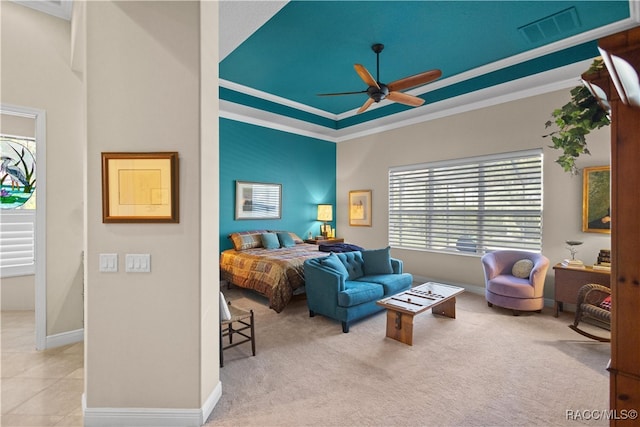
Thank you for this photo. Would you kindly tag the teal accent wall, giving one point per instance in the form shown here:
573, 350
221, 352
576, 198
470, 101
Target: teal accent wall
306, 168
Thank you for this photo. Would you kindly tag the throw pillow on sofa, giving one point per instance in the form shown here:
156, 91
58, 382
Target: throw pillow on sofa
332, 261
377, 261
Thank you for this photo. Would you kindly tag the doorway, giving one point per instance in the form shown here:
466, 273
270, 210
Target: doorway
40, 288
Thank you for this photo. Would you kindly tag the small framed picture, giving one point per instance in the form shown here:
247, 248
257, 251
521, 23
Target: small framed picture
140, 187
258, 200
596, 204
360, 208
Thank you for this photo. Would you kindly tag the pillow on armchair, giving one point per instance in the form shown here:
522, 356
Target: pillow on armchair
522, 268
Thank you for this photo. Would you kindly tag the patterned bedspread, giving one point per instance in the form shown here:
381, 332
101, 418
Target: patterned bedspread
274, 273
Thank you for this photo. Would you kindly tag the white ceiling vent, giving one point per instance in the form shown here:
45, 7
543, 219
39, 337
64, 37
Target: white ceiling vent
552, 27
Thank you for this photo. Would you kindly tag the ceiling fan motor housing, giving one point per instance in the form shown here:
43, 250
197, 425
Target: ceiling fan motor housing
378, 94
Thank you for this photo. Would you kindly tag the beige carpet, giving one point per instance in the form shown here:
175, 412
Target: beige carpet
485, 368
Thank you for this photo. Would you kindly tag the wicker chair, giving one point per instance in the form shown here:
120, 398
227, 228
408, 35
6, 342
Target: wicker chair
591, 306
245, 327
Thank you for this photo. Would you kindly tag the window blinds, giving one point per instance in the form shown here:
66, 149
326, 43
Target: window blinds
472, 205
17, 243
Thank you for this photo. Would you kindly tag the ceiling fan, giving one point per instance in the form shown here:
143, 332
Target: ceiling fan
378, 91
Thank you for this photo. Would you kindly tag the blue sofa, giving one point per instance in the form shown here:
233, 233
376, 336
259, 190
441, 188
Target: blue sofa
346, 286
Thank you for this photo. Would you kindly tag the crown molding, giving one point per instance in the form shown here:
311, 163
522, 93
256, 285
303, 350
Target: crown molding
537, 84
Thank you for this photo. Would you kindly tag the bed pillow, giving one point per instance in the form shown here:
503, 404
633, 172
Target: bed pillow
293, 235
270, 240
246, 239
295, 238
286, 241
332, 261
522, 268
377, 261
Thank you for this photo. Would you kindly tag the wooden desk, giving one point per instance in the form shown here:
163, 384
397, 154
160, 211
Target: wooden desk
569, 280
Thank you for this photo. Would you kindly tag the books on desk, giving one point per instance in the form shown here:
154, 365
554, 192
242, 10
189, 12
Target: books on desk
602, 267
604, 257
573, 263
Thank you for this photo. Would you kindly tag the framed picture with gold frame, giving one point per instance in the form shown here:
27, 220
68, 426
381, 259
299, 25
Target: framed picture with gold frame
140, 187
360, 208
596, 203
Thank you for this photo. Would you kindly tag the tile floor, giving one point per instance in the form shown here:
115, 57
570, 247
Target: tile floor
38, 388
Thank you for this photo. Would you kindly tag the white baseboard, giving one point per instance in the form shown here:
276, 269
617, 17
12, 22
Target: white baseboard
64, 338
150, 417
211, 402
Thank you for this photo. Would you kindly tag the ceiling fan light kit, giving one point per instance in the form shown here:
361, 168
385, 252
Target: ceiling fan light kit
377, 91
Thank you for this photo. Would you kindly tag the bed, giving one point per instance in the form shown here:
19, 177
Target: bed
275, 272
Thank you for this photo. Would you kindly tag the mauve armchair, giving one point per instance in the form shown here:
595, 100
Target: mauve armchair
508, 291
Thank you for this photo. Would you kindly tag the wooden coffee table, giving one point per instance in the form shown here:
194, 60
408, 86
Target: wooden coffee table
403, 307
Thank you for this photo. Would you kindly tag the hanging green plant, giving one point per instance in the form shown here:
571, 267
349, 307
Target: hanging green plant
575, 120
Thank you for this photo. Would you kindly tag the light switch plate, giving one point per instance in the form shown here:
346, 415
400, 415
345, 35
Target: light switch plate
109, 263
138, 263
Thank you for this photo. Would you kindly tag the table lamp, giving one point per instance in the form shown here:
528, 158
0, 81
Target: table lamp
325, 213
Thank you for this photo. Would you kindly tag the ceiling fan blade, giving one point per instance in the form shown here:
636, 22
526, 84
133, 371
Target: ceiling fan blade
366, 76
366, 105
406, 99
342, 93
416, 80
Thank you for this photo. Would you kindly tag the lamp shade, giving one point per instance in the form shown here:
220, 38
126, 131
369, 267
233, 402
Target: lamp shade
621, 55
599, 94
624, 78
325, 213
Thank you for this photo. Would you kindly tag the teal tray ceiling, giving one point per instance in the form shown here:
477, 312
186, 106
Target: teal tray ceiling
310, 47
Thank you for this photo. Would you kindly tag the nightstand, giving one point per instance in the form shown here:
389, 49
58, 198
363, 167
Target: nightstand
324, 241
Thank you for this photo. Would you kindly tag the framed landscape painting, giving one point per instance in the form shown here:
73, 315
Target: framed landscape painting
596, 204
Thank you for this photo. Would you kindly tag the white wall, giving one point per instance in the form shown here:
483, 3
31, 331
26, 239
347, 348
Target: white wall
517, 125
209, 198
18, 293
36, 74
151, 338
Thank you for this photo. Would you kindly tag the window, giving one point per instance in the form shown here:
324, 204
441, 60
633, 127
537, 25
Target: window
17, 232
17, 206
468, 206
